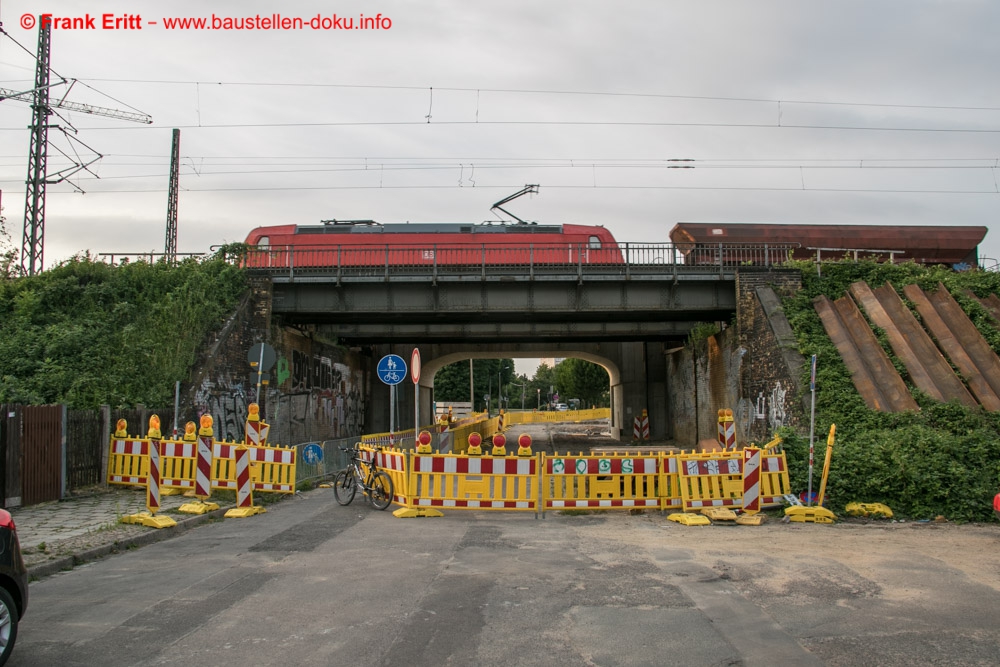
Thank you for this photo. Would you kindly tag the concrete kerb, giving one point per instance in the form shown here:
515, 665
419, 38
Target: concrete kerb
155, 535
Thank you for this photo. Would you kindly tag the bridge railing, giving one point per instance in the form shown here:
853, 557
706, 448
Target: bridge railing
489, 259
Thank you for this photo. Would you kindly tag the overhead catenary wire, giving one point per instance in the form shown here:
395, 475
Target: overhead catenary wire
544, 123
205, 172
508, 186
533, 91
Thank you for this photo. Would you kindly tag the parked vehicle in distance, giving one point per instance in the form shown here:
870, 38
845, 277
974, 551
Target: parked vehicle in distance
561, 407
13, 585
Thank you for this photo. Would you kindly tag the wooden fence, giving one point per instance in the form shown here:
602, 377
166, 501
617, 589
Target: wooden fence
48, 451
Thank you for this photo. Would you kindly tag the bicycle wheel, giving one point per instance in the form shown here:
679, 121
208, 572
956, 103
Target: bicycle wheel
381, 493
344, 487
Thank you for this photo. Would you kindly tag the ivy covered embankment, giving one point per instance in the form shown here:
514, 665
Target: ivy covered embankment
86, 333
943, 460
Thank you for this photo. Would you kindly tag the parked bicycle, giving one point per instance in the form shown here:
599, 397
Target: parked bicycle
375, 484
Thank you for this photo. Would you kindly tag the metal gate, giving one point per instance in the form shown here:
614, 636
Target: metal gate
10, 455
42, 459
86, 443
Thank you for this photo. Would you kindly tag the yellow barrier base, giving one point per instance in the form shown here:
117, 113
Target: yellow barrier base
409, 513
750, 519
719, 513
198, 507
147, 519
689, 519
170, 492
244, 512
802, 514
868, 509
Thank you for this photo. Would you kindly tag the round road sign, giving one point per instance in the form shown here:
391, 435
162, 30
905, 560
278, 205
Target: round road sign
415, 365
391, 369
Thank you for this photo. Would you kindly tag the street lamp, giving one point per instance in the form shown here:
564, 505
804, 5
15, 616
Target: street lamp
522, 386
499, 391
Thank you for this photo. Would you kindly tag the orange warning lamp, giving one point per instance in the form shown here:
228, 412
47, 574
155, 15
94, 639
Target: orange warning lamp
206, 425
254, 415
154, 427
121, 429
475, 440
189, 432
524, 445
424, 443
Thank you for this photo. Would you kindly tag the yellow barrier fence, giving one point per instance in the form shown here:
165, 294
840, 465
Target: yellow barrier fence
486, 428
670, 491
392, 461
386, 439
128, 461
658, 480
710, 479
271, 468
178, 464
715, 479
564, 416
471, 482
602, 481
774, 482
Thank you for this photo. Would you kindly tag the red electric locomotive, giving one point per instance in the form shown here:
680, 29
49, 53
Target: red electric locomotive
357, 243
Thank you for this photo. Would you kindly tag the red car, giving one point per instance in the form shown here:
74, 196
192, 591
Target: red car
13, 585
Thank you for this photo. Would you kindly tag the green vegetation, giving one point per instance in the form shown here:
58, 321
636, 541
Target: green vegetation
699, 335
577, 378
571, 378
86, 333
451, 383
942, 460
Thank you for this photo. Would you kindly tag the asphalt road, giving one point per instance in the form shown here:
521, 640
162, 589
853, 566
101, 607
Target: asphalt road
313, 583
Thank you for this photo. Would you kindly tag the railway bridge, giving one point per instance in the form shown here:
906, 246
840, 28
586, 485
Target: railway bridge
622, 314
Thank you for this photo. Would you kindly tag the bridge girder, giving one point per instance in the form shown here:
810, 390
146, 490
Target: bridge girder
506, 310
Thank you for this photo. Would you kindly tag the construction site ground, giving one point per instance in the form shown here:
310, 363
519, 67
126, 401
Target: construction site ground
974, 549
501, 588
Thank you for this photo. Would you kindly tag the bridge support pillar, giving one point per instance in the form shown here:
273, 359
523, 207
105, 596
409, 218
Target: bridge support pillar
643, 387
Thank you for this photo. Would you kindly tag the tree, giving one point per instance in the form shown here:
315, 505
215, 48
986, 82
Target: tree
8, 253
541, 386
577, 378
451, 383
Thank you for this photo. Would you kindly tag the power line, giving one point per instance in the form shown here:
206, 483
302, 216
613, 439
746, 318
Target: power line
527, 91
487, 167
552, 187
551, 123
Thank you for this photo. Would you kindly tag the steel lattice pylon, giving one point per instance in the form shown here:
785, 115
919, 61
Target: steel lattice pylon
32, 244
170, 247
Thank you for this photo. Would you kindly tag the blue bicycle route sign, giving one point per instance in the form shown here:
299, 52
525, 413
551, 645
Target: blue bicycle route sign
391, 369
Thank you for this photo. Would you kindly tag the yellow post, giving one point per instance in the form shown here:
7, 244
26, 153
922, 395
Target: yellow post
826, 464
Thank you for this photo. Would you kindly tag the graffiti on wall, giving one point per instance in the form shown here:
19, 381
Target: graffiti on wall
767, 413
227, 400
776, 409
326, 393
319, 399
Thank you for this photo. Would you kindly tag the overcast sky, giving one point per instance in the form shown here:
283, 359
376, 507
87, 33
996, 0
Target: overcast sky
794, 111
